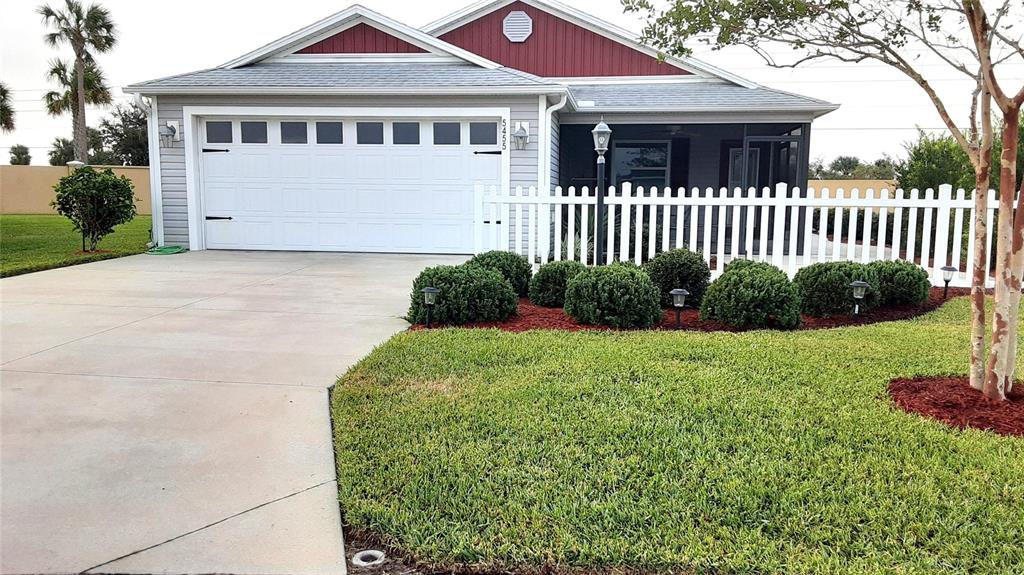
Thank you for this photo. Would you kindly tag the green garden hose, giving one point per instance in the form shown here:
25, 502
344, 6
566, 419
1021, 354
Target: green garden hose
167, 250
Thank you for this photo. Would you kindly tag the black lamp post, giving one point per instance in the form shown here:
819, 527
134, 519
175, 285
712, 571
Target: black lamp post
429, 299
602, 134
947, 276
860, 288
678, 301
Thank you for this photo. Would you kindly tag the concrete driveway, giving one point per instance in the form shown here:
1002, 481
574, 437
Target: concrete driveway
169, 414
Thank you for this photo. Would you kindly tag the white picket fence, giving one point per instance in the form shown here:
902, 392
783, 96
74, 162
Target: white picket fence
783, 226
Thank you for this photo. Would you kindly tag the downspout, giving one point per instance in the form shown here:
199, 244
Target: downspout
546, 140
545, 148
155, 193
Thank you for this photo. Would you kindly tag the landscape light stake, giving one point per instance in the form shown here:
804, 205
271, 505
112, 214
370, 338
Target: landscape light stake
859, 289
678, 301
947, 276
429, 299
602, 133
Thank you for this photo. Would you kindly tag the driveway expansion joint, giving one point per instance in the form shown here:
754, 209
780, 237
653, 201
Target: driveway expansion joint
92, 570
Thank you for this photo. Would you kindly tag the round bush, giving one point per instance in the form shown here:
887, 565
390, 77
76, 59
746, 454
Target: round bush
901, 282
825, 288
753, 295
679, 268
512, 267
469, 294
615, 295
547, 288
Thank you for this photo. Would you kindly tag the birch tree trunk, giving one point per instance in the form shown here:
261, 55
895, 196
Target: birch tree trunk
982, 175
1015, 295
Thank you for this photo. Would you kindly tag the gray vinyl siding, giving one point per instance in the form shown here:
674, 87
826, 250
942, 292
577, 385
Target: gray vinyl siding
172, 160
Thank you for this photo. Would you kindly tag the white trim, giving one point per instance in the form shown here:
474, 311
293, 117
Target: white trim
155, 185
193, 144
343, 91
614, 80
545, 160
592, 116
595, 25
351, 16
364, 59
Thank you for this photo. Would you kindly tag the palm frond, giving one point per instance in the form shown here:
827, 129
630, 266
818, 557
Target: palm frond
6, 109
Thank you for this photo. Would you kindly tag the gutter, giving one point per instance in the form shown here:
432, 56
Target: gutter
340, 91
544, 179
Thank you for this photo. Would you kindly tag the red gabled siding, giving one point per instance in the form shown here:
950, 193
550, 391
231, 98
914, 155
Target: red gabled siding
361, 39
556, 49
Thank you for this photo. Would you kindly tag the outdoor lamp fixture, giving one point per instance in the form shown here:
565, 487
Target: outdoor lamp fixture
602, 135
678, 301
429, 299
947, 276
167, 134
520, 137
859, 289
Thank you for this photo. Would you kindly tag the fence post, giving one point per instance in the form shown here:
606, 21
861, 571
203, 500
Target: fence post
942, 231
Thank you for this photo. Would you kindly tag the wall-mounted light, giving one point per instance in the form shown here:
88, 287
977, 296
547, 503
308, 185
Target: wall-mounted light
521, 135
169, 133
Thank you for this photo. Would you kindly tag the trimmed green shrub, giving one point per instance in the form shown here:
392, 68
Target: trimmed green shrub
621, 296
752, 295
825, 288
901, 282
547, 288
740, 264
679, 268
469, 294
512, 267
95, 202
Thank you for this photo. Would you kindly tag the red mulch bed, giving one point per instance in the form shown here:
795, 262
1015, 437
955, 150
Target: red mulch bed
532, 317
954, 402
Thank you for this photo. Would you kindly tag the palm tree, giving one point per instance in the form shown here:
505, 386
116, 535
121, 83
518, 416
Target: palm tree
60, 102
87, 29
6, 109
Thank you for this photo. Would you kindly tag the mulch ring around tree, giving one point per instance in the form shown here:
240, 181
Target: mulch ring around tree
954, 402
532, 317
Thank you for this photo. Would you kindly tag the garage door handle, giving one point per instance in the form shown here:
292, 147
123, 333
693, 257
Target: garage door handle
216, 150
489, 152
218, 217
489, 221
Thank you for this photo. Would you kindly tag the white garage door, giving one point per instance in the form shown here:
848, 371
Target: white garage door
345, 184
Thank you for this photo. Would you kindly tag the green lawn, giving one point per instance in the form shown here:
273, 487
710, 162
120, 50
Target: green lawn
30, 243
759, 452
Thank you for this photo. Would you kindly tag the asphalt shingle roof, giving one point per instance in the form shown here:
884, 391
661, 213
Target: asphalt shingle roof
688, 96
346, 75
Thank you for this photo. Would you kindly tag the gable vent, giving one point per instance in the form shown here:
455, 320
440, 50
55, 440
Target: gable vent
517, 26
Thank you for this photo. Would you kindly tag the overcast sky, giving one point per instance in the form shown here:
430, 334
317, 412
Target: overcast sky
880, 109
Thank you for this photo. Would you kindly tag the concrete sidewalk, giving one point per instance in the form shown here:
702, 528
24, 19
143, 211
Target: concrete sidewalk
169, 414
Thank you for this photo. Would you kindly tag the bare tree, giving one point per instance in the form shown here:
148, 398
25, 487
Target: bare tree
961, 34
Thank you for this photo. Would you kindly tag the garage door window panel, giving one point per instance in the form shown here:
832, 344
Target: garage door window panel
369, 133
330, 133
405, 133
254, 132
447, 133
218, 133
483, 134
294, 133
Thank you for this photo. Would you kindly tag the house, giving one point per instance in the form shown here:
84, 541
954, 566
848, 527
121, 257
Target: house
360, 133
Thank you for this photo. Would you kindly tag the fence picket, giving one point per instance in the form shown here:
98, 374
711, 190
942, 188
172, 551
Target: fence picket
956, 257
883, 225
749, 215
680, 211
627, 199
779, 224
851, 243
793, 225
866, 232
989, 217
638, 236
720, 248
912, 229
531, 216
584, 227
705, 247
762, 241
609, 255
897, 228
926, 230
666, 221
570, 233
557, 254
652, 225
737, 195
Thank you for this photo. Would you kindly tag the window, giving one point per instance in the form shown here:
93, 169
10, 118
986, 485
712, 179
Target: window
369, 132
218, 132
483, 133
447, 133
329, 133
254, 132
293, 133
405, 133
641, 163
